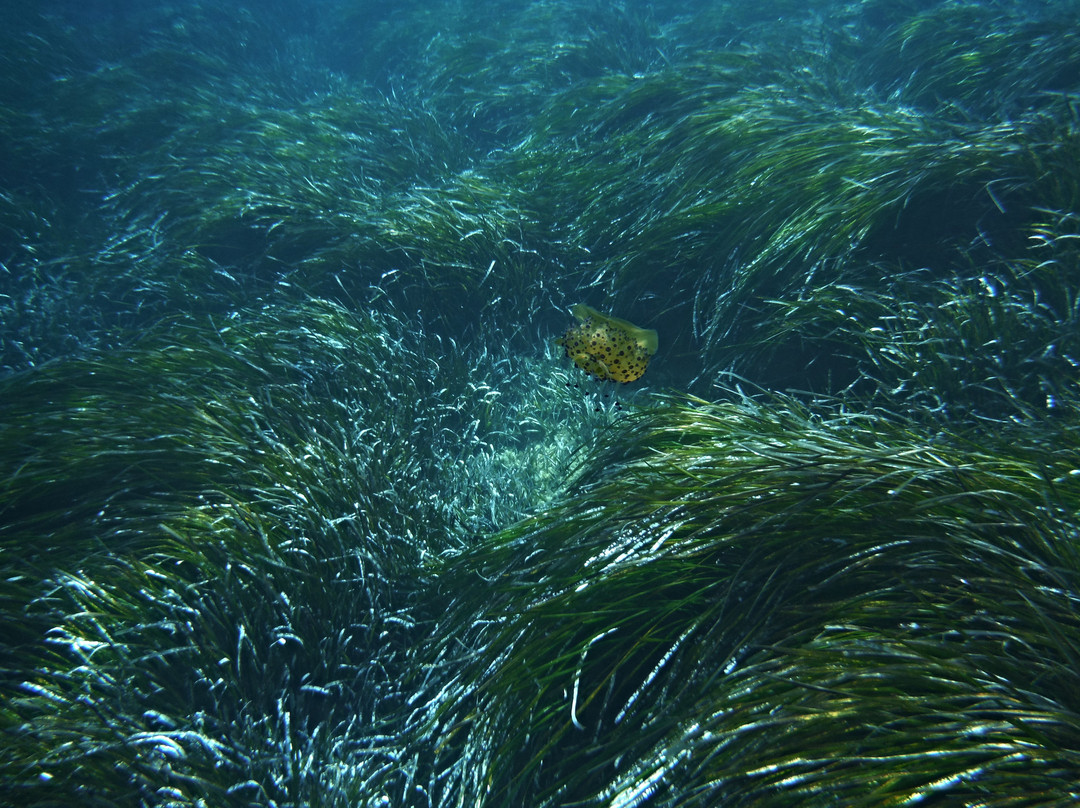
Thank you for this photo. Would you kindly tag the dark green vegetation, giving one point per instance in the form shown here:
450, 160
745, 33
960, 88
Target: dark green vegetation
746, 603
298, 506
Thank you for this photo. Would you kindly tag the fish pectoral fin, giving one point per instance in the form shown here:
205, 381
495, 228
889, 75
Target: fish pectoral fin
592, 364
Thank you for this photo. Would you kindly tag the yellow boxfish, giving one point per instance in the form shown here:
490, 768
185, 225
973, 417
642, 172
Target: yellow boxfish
606, 347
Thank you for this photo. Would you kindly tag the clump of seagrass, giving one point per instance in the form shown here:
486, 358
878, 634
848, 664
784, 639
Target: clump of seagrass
760, 176
214, 542
991, 342
748, 603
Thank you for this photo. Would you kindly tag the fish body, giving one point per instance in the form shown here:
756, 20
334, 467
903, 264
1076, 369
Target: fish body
606, 347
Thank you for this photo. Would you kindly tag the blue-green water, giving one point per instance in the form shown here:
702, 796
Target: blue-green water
301, 503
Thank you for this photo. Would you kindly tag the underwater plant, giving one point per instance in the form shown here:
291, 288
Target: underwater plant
216, 540
299, 505
747, 603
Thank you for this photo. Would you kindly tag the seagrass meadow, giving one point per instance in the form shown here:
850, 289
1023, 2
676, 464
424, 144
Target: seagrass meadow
302, 505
